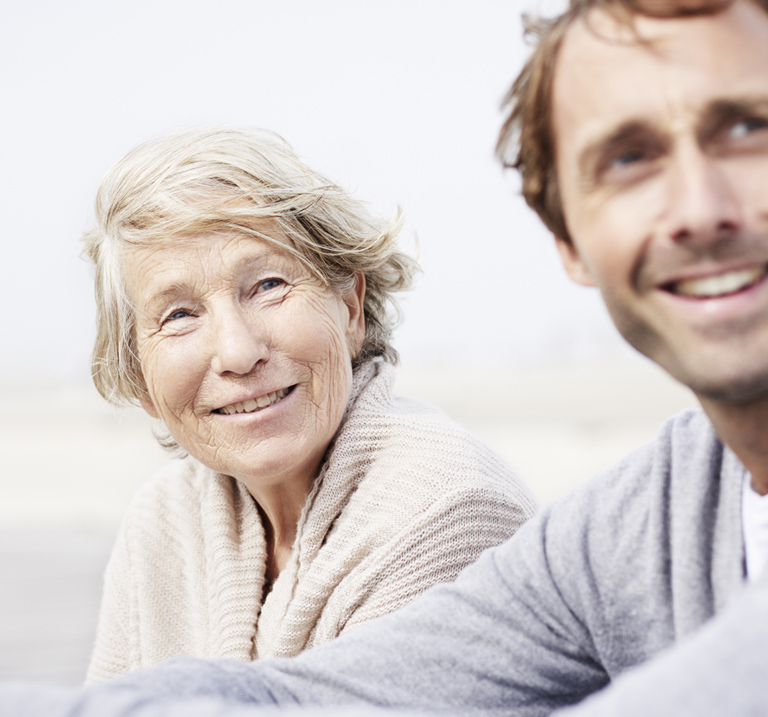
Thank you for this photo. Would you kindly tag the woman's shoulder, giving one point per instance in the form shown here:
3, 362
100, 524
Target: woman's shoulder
415, 448
177, 479
180, 495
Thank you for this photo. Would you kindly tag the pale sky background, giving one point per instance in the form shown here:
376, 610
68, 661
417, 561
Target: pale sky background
397, 100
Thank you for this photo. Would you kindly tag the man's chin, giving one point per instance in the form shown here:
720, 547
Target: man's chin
725, 371
733, 390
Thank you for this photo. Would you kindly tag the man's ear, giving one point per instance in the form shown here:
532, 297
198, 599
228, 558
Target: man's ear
574, 265
354, 300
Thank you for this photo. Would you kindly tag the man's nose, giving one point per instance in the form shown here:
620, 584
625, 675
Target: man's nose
701, 204
238, 342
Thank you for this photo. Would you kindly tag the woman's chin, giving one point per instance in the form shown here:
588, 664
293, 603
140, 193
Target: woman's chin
279, 442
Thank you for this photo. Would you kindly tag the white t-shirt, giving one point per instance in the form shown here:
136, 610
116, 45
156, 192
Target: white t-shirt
754, 519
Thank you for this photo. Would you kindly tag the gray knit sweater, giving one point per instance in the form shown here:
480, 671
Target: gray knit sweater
601, 581
608, 577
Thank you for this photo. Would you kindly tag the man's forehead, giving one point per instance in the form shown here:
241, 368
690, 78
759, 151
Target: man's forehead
609, 72
601, 35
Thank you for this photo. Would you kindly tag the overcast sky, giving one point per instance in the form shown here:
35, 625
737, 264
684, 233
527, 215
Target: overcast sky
397, 100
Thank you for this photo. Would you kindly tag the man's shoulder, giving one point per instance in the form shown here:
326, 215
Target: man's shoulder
686, 448
604, 552
629, 507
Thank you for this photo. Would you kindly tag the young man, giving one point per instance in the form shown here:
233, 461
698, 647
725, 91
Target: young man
643, 145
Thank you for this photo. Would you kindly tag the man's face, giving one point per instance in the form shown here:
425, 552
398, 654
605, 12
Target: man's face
662, 163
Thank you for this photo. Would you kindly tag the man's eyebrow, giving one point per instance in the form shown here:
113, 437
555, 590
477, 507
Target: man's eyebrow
721, 111
592, 155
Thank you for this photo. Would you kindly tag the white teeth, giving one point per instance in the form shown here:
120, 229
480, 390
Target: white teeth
253, 404
720, 285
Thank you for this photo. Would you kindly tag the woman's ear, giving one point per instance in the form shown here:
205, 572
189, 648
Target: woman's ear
147, 405
354, 300
573, 264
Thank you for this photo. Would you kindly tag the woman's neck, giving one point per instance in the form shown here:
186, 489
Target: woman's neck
280, 508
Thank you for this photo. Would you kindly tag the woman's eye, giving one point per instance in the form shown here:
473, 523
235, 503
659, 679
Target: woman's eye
178, 314
268, 284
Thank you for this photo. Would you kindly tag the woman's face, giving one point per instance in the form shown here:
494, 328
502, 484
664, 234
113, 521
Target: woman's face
246, 355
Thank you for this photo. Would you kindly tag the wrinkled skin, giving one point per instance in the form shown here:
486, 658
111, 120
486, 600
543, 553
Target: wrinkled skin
222, 319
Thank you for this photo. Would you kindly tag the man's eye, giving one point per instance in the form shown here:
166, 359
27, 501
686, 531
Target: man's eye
747, 126
628, 165
627, 158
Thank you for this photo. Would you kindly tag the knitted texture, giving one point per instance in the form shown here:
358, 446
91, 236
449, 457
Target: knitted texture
405, 499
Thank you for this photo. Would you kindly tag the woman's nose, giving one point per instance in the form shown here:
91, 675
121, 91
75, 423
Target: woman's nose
238, 343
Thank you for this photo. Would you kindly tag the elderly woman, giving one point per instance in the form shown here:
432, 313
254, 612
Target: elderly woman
243, 301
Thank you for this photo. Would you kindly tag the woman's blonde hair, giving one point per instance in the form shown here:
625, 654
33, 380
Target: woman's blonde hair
229, 180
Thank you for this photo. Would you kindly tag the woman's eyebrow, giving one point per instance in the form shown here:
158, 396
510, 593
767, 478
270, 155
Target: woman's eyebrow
167, 294
270, 256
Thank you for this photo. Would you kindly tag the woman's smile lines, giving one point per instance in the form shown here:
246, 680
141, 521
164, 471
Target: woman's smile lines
729, 282
255, 404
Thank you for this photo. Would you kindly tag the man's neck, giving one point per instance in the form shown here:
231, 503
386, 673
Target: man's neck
744, 429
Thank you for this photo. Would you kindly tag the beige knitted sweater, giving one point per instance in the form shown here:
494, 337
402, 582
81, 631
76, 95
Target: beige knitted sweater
405, 499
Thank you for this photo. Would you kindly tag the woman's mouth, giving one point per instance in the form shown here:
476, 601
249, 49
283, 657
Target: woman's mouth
255, 404
730, 282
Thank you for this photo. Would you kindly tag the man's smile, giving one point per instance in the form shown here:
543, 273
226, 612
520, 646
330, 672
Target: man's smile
728, 282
